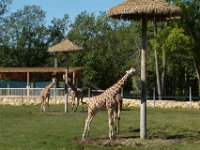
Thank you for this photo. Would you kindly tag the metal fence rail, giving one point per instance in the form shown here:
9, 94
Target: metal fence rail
29, 91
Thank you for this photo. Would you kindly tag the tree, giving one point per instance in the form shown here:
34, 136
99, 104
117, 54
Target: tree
57, 31
177, 57
4, 6
25, 34
109, 47
191, 24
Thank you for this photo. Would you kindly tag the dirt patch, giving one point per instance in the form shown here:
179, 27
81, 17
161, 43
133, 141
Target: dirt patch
128, 141
154, 140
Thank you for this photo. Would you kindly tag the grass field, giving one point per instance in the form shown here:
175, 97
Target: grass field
25, 128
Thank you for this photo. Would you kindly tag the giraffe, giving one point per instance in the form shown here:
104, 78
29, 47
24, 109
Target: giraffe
76, 93
45, 95
106, 99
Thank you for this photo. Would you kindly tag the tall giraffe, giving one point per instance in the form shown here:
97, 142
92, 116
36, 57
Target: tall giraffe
106, 99
76, 93
45, 95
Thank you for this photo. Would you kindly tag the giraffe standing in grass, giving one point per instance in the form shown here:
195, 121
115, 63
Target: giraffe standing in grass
106, 99
76, 93
45, 95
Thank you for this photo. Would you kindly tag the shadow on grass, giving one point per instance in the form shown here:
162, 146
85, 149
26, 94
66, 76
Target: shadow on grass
56, 112
177, 136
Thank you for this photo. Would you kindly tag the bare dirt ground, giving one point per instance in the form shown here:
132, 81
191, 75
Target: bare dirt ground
131, 141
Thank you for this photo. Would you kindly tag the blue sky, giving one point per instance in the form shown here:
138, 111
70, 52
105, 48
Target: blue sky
57, 8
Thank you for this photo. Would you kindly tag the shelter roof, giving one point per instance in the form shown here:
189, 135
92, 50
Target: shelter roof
65, 46
152, 9
39, 69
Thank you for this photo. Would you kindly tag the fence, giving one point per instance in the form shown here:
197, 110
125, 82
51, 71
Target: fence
150, 96
21, 92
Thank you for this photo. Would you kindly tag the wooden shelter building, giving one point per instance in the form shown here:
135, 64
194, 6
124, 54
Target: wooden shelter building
39, 73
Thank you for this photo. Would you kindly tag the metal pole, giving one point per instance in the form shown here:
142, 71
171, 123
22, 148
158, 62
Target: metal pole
66, 91
190, 96
55, 84
143, 109
89, 93
154, 97
28, 84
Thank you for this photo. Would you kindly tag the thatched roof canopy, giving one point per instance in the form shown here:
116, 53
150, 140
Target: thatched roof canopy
152, 9
65, 46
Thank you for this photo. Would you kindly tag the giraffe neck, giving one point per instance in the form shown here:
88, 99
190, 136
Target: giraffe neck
50, 85
73, 87
116, 87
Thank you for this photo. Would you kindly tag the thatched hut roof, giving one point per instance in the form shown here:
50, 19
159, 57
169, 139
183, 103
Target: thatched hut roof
65, 46
153, 9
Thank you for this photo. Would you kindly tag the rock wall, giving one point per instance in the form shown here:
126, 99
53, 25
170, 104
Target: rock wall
163, 104
18, 101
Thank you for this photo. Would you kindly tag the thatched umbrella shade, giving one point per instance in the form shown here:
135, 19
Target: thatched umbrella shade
144, 10
65, 46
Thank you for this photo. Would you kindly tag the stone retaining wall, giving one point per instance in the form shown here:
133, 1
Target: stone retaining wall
18, 101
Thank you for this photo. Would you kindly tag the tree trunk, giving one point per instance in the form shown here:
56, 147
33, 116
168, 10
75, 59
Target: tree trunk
163, 72
156, 65
197, 69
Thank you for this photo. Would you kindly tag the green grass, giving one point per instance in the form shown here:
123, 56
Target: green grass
25, 128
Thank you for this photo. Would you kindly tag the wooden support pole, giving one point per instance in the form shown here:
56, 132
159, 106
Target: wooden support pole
143, 105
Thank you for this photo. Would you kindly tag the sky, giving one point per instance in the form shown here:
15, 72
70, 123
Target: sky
57, 8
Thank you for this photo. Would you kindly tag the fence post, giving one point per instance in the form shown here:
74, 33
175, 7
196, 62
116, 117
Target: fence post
154, 97
28, 92
190, 96
89, 93
122, 92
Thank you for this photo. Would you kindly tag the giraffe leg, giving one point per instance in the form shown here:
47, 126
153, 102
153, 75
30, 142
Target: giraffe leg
82, 103
48, 101
73, 102
42, 104
115, 119
87, 126
77, 104
111, 123
118, 116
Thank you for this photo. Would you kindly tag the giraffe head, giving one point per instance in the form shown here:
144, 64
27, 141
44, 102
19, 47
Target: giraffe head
53, 80
64, 77
131, 71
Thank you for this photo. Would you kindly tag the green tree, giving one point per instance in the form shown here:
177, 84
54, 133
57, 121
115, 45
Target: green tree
109, 47
4, 6
178, 57
57, 32
25, 34
191, 24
